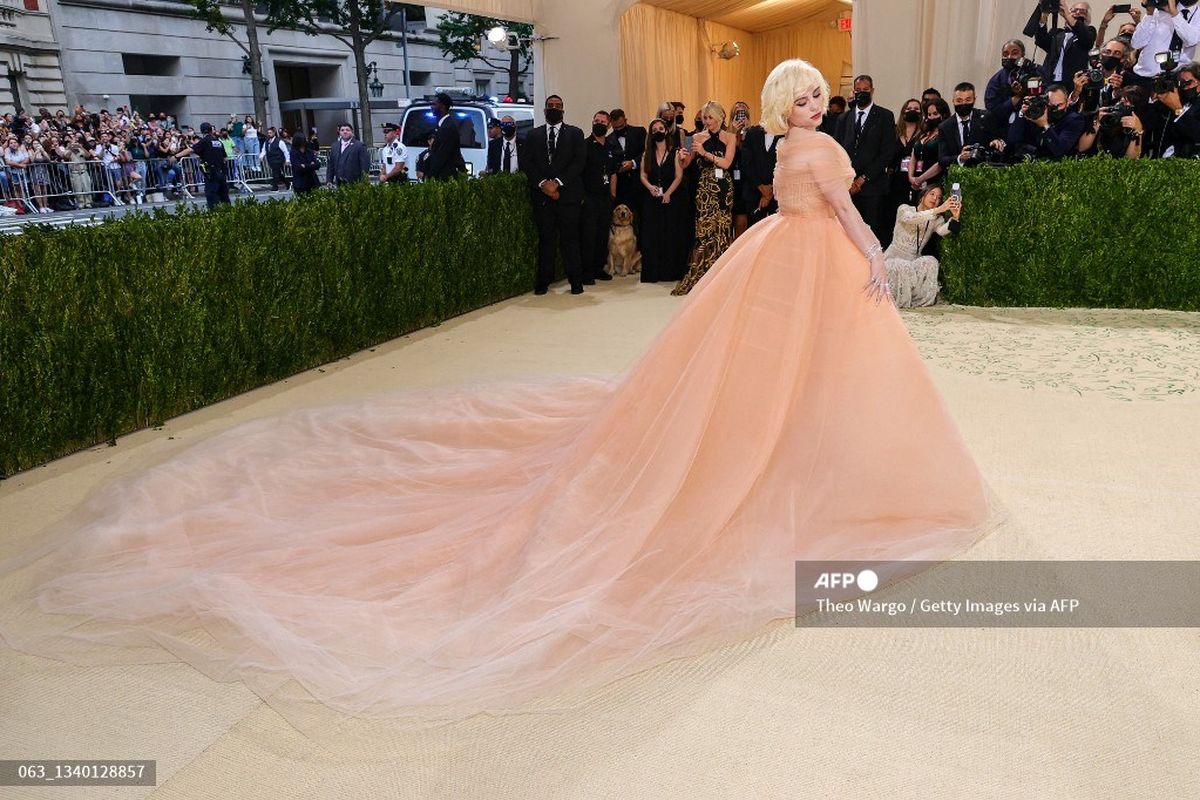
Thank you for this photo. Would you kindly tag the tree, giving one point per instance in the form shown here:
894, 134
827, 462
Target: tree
354, 23
459, 37
211, 12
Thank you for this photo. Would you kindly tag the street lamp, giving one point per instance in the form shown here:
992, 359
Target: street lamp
376, 85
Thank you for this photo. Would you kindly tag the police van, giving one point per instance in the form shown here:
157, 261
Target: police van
471, 114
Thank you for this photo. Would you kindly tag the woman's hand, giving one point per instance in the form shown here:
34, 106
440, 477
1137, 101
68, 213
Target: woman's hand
955, 207
877, 286
666, 198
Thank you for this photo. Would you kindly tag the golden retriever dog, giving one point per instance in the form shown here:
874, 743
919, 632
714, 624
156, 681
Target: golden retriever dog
623, 256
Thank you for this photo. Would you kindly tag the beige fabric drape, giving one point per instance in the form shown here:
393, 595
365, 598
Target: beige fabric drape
908, 45
668, 56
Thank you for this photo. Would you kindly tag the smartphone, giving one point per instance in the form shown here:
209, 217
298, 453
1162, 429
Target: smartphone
1122, 8
956, 192
687, 141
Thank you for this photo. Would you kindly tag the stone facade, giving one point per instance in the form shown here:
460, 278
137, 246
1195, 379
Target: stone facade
33, 74
152, 55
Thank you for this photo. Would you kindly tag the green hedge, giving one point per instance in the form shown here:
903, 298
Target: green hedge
1091, 233
108, 329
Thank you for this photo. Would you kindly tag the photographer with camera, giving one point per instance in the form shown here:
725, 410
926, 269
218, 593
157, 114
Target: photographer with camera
1169, 26
1125, 31
1014, 70
1118, 129
1047, 128
1098, 85
1067, 47
1181, 131
966, 137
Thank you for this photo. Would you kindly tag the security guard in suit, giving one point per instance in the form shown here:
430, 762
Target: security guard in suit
211, 153
393, 156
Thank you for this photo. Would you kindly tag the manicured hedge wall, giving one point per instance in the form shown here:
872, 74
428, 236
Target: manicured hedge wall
107, 329
1088, 233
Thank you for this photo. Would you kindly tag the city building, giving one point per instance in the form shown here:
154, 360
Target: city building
31, 57
154, 56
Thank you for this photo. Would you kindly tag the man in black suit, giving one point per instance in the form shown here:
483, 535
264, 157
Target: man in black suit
1066, 48
758, 171
555, 157
276, 154
868, 134
506, 153
631, 140
599, 191
349, 160
1181, 132
445, 158
967, 126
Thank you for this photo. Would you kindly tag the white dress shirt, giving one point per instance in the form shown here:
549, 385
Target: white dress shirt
287, 155
1153, 36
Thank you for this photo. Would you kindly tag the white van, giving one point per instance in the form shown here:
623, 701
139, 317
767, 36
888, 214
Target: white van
472, 115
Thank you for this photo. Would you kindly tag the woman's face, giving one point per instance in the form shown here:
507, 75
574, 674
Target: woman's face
932, 199
658, 125
933, 117
712, 123
807, 110
913, 106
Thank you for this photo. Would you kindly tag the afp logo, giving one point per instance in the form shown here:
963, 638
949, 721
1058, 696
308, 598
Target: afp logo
866, 580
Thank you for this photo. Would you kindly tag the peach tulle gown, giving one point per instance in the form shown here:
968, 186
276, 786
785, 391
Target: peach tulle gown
437, 553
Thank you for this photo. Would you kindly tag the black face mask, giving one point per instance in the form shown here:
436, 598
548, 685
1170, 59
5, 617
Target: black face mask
931, 123
1190, 94
862, 99
554, 115
679, 119
1008, 64
964, 109
912, 116
507, 129
1110, 62
599, 129
1056, 115
659, 136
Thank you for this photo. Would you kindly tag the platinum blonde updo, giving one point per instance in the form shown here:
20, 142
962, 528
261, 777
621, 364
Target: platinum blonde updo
786, 82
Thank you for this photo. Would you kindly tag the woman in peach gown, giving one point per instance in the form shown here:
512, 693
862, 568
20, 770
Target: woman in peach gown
433, 554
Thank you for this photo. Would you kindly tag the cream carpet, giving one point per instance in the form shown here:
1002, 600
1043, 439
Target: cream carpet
1087, 423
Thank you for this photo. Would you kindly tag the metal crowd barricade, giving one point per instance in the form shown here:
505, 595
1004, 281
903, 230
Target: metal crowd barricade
76, 185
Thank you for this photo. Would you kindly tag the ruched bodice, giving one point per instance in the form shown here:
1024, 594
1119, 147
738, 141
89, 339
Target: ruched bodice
808, 164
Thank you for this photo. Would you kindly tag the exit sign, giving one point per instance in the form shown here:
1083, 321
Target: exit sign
845, 25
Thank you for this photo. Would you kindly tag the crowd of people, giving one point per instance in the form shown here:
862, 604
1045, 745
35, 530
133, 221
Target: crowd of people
693, 190
83, 159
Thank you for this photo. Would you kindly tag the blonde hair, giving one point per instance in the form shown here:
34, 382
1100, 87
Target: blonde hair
715, 110
789, 80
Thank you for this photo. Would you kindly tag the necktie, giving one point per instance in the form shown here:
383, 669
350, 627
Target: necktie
966, 131
1176, 40
858, 127
508, 156
552, 143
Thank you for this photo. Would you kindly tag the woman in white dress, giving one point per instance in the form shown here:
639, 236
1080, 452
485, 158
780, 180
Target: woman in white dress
912, 276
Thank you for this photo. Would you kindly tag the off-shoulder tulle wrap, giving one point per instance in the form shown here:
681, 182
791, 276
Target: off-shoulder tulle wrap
426, 555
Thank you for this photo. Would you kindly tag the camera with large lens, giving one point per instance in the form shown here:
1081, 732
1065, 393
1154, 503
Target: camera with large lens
1156, 4
1111, 116
983, 154
1025, 70
1095, 71
1168, 79
1052, 6
1037, 106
